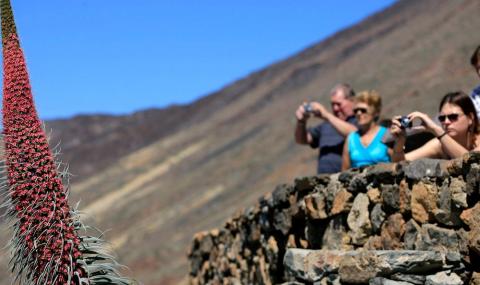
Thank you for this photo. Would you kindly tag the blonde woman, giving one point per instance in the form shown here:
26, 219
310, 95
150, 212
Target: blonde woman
365, 146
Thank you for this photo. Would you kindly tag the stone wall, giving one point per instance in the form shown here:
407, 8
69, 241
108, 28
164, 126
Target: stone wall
407, 223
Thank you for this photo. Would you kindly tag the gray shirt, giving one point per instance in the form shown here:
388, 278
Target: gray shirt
330, 144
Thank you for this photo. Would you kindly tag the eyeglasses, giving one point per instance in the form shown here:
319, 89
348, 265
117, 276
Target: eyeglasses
361, 110
451, 117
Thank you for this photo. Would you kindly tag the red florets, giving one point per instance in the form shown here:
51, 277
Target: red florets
39, 199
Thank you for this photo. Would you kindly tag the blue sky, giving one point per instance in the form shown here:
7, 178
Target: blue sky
117, 57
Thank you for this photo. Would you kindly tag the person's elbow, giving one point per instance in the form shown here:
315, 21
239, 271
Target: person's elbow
350, 129
398, 159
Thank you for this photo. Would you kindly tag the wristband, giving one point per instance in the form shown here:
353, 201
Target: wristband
441, 136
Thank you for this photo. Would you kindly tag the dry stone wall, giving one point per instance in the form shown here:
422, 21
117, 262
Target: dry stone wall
406, 223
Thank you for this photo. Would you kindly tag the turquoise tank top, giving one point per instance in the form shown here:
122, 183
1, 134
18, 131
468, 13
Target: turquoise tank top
374, 153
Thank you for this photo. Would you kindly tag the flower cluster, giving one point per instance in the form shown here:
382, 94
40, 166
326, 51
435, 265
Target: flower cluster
46, 247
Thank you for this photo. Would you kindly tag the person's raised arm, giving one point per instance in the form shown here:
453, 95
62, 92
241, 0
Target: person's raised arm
302, 136
432, 149
443, 142
346, 163
397, 152
343, 127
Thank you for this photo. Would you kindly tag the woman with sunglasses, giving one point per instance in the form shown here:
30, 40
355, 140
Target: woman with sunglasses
457, 134
365, 146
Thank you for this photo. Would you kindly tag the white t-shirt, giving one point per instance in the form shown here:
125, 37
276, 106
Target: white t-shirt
475, 96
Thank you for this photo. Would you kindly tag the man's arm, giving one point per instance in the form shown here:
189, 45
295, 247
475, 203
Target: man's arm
346, 163
302, 136
343, 127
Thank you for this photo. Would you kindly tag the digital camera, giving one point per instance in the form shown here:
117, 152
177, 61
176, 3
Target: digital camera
405, 122
307, 107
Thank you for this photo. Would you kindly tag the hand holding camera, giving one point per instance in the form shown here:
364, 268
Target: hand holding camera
426, 123
302, 114
401, 125
308, 109
316, 109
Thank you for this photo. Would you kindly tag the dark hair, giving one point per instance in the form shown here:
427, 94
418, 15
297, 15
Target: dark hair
475, 57
346, 89
463, 101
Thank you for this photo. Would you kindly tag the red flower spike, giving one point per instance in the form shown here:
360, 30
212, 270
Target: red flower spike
47, 248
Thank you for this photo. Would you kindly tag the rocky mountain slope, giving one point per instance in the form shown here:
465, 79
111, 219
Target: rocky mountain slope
156, 177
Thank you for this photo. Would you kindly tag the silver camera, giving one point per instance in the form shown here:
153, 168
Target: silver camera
405, 122
307, 107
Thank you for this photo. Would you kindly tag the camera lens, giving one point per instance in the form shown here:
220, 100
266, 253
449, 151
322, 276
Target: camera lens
405, 122
307, 107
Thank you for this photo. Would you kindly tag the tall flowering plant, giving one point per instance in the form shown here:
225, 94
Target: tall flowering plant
46, 246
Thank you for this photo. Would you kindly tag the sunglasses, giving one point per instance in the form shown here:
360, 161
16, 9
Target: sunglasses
361, 110
451, 117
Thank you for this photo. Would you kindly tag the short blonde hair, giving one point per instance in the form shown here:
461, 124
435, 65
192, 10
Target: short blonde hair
371, 98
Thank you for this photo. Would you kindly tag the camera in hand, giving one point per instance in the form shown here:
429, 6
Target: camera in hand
405, 122
307, 107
